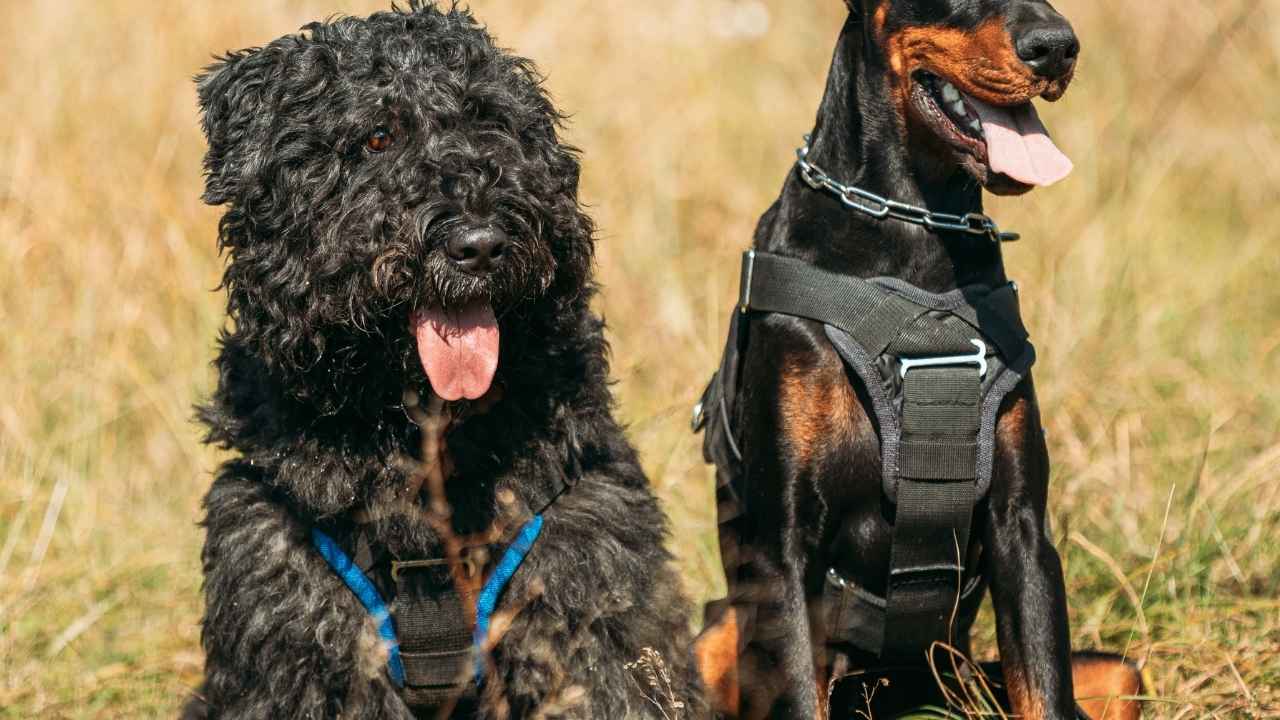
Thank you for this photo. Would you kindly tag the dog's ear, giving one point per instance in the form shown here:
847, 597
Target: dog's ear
864, 8
235, 96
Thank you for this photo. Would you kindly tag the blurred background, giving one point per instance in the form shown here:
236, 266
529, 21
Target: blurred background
1151, 282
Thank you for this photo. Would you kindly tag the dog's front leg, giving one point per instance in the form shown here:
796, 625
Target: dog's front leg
793, 383
284, 638
778, 671
594, 626
1027, 584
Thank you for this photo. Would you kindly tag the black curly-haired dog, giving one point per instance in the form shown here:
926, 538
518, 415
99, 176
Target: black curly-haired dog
413, 373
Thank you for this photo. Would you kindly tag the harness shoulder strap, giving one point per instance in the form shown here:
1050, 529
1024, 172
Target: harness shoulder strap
777, 284
874, 313
363, 588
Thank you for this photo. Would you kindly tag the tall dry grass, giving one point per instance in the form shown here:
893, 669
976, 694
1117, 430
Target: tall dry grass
1151, 280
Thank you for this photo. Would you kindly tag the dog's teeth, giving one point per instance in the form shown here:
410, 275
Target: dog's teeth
950, 93
958, 108
976, 125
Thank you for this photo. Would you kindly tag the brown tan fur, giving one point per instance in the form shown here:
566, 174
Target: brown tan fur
823, 679
1015, 422
817, 403
981, 62
879, 19
1024, 699
717, 655
1101, 683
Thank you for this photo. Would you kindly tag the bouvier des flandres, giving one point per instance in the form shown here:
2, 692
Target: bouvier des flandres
415, 391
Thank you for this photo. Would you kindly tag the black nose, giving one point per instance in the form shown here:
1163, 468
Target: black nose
1048, 46
478, 250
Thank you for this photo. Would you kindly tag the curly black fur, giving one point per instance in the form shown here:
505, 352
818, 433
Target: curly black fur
331, 249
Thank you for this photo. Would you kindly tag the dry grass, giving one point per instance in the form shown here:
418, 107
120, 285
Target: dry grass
1150, 281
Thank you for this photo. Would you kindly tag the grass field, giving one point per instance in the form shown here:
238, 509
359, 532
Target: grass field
1151, 282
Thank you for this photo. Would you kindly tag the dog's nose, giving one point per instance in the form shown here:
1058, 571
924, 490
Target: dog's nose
478, 250
1048, 46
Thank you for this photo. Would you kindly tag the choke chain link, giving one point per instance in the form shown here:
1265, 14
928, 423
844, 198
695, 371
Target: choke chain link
868, 203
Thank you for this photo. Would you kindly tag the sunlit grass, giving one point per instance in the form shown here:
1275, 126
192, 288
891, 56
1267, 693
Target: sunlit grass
1150, 283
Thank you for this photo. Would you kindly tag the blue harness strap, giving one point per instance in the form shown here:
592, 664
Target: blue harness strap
364, 590
368, 595
497, 582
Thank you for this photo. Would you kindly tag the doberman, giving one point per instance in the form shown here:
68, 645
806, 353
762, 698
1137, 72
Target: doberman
928, 102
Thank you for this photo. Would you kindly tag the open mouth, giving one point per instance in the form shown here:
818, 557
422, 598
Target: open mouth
1009, 143
950, 104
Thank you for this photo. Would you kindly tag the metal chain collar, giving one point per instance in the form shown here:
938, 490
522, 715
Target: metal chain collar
880, 208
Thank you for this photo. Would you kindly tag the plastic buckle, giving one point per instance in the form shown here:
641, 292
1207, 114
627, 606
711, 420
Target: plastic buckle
978, 360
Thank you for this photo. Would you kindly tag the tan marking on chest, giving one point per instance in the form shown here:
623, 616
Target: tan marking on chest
817, 405
1014, 423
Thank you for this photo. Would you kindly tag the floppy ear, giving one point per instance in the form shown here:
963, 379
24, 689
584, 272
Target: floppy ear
235, 99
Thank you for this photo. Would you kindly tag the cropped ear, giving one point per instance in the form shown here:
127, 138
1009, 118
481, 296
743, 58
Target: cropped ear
236, 97
867, 9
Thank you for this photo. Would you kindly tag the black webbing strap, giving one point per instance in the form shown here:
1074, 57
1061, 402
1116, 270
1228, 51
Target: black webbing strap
434, 629
874, 317
941, 418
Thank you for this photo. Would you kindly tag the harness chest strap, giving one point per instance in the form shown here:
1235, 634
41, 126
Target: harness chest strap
936, 497
936, 368
364, 590
435, 654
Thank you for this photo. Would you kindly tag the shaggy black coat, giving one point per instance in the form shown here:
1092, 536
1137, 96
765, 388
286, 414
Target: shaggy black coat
333, 242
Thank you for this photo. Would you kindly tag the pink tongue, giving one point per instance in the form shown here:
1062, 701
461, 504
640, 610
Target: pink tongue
1018, 144
459, 351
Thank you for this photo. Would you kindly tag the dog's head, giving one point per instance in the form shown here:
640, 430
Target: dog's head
396, 192
962, 75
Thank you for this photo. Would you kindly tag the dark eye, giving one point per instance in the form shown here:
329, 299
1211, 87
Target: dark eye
379, 140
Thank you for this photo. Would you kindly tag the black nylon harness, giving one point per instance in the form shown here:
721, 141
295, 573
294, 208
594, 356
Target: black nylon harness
936, 367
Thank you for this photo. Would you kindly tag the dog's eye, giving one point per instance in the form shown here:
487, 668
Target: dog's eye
379, 140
